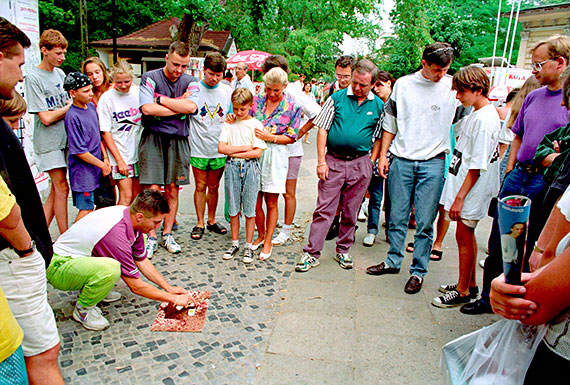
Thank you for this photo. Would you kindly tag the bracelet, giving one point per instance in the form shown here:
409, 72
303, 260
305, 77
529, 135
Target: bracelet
275, 139
538, 249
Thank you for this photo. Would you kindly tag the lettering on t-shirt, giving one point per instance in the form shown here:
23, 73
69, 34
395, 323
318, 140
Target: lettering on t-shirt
496, 155
59, 99
122, 120
455, 163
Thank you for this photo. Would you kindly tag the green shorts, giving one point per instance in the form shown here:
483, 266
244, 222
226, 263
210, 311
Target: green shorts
208, 163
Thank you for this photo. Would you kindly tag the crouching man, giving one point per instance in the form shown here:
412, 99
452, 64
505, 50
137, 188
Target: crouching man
108, 244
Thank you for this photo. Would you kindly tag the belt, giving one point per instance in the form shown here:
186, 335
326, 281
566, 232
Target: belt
529, 168
240, 160
346, 157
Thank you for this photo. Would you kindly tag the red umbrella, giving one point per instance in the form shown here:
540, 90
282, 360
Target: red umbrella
253, 59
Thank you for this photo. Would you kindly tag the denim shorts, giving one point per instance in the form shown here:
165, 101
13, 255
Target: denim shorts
83, 200
241, 179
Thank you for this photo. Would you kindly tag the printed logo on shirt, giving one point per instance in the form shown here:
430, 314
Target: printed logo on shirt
124, 123
212, 112
435, 108
57, 100
496, 155
455, 163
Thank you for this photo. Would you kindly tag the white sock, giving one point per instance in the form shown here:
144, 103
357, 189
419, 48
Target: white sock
248, 245
286, 229
235, 243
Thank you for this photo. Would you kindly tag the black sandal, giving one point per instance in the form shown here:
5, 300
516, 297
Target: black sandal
197, 233
217, 228
410, 247
436, 255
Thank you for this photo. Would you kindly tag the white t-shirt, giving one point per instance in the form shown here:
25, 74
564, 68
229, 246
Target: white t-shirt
206, 124
119, 114
506, 136
476, 149
420, 113
310, 109
242, 133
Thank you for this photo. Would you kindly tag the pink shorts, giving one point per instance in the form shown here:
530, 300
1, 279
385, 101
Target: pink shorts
294, 166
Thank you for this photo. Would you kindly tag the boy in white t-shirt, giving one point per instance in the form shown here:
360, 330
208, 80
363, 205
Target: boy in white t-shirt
242, 173
473, 178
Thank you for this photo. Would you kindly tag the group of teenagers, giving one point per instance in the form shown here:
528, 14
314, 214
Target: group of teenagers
372, 131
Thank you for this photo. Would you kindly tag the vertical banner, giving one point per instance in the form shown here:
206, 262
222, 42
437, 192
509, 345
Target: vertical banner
514, 212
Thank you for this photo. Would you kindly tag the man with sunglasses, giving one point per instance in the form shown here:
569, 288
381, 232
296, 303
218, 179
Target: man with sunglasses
540, 114
419, 114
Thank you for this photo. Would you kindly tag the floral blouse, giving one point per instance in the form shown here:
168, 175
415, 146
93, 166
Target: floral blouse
284, 120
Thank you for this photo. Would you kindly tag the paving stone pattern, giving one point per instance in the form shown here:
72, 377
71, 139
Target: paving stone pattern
229, 350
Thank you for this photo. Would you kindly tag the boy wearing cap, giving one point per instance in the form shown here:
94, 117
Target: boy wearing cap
85, 160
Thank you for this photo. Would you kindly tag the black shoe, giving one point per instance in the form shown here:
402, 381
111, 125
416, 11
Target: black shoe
381, 269
334, 229
476, 307
473, 291
414, 284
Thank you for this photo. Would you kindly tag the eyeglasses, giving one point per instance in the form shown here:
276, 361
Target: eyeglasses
538, 66
340, 77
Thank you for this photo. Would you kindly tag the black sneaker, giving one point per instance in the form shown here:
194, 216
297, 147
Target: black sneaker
476, 308
451, 299
473, 291
231, 252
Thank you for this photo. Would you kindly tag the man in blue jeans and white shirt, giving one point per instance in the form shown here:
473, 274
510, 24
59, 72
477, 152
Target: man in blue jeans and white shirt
416, 125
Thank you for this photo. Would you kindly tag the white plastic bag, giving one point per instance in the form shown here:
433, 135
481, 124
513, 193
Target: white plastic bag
499, 354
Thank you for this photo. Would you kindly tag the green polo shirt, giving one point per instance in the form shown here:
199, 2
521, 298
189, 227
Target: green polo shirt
352, 125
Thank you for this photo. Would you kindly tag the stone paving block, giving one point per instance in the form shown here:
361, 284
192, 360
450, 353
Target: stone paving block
313, 336
279, 369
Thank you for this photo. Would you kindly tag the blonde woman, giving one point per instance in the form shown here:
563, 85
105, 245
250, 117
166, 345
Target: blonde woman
96, 71
120, 124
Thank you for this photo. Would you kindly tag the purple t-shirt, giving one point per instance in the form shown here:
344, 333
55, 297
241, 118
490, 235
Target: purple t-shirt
541, 113
108, 233
82, 126
155, 83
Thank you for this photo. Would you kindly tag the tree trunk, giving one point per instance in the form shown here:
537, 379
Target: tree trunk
191, 31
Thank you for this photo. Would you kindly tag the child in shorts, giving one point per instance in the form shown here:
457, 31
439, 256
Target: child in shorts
242, 173
473, 178
85, 162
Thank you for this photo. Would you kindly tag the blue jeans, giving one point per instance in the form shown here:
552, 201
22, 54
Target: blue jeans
419, 182
517, 182
376, 191
241, 179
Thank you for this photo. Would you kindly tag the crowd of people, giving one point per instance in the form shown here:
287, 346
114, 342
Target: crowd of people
428, 143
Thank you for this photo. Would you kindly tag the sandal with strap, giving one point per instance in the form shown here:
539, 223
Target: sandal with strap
436, 255
410, 247
217, 228
197, 233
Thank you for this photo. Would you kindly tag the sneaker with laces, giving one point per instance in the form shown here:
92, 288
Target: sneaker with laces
247, 255
451, 299
231, 252
306, 262
112, 297
344, 260
91, 318
473, 291
170, 244
151, 246
362, 214
280, 239
369, 240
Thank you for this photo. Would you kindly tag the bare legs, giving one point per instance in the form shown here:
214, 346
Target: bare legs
266, 224
206, 192
171, 194
441, 229
467, 252
56, 203
290, 200
43, 368
129, 188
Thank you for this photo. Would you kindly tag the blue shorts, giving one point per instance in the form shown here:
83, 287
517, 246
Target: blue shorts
13, 369
241, 179
83, 200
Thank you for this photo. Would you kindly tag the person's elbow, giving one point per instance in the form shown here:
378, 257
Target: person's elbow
147, 109
222, 148
257, 153
46, 118
12, 220
189, 107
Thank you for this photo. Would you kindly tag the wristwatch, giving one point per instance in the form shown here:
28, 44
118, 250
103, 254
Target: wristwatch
22, 253
538, 249
158, 100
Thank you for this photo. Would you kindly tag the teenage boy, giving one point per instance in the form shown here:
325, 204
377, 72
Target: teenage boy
419, 114
84, 139
242, 177
49, 103
207, 163
473, 178
164, 150
108, 244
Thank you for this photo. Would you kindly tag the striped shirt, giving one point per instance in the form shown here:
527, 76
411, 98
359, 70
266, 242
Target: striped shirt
107, 232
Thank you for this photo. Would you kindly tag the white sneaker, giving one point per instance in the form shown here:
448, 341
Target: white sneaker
112, 296
369, 240
280, 239
151, 246
91, 319
482, 263
363, 213
170, 244
247, 255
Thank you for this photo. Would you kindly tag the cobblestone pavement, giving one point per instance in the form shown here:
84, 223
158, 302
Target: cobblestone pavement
229, 350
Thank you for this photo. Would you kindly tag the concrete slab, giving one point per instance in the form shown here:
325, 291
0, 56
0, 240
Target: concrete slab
280, 369
313, 336
330, 298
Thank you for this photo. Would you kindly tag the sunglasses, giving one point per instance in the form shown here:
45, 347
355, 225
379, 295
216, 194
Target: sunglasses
443, 49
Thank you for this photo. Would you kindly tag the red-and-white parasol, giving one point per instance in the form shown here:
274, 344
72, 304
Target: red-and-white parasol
253, 59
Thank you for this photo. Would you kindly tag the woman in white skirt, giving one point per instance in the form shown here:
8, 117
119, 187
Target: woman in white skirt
280, 118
